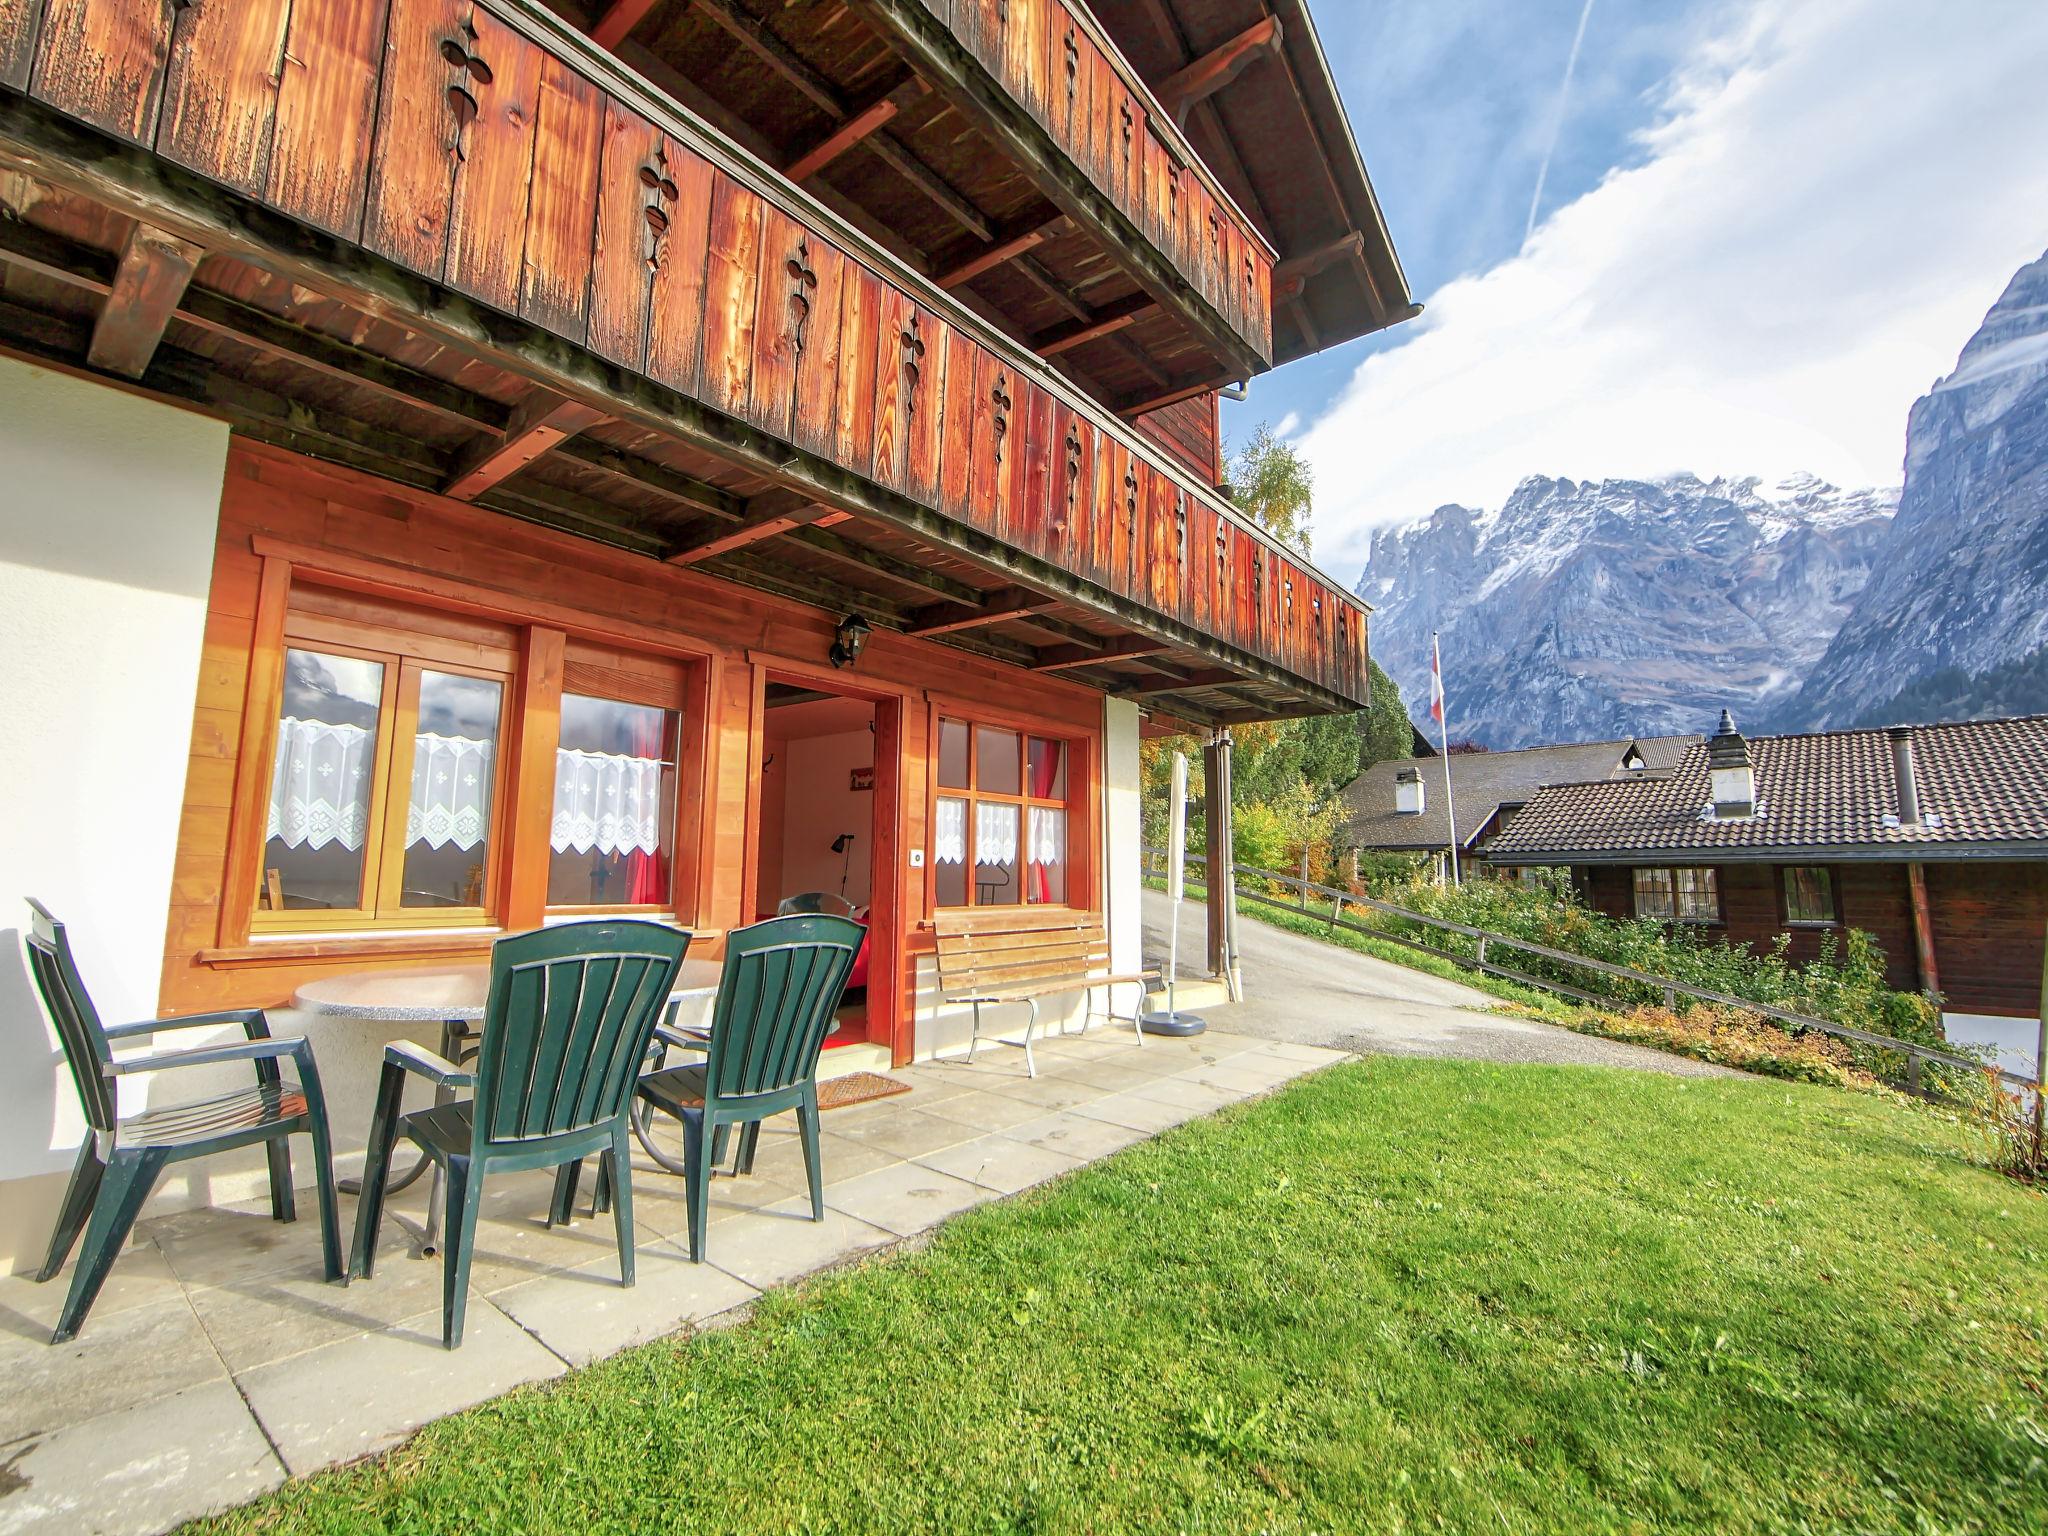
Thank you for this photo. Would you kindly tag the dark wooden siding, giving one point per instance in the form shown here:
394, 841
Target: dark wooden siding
1191, 432
1989, 922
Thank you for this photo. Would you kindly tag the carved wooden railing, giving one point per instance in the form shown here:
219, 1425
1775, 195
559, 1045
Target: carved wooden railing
1055, 62
489, 148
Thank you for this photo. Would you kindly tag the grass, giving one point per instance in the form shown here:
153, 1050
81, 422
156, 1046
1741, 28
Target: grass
1400, 1296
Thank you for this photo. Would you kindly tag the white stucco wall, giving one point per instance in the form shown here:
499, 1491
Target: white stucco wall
108, 510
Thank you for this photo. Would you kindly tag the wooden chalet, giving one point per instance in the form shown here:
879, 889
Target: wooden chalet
471, 463
1931, 838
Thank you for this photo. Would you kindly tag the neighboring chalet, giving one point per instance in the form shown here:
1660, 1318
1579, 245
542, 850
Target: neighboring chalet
1398, 807
428, 422
1933, 838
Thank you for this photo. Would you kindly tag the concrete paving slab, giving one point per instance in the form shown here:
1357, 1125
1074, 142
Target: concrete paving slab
117, 1362
585, 1314
1001, 1164
906, 1198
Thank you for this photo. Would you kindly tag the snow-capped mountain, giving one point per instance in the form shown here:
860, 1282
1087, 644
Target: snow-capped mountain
1580, 610
1959, 598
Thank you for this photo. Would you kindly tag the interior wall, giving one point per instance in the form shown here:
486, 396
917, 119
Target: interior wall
818, 804
106, 551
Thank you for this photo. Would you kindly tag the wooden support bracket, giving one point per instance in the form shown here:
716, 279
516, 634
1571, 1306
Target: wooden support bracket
776, 514
148, 283
539, 422
1059, 658
951, 618
619, 18
1205, 76
864, 122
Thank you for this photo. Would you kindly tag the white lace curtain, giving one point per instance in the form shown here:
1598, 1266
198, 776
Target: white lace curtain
320, 792
606, 801
995, 834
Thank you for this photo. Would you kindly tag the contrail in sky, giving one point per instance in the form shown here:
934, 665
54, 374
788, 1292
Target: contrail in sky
1564, 92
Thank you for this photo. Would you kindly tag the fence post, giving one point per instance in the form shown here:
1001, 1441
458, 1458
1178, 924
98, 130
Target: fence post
1336, 911
1482, 949
1913, 1070
1671, 999
1304, 879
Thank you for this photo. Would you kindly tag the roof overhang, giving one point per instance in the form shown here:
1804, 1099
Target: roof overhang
1815, 853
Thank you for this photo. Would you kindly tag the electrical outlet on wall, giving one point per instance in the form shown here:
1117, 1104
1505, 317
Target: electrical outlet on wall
917, 858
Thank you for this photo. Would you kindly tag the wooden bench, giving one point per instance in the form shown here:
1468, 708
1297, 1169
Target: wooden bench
1021, 954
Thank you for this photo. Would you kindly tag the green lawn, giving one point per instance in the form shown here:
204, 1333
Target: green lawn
1400, 1296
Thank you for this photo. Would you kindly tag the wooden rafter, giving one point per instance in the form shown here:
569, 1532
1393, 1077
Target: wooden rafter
1105, 322
539, 422
777, 514
1208, 677
618, 19
148, 282
1007, 249
1060, 658
1290, 275
953, 618
1205, 76
698, 495
859, 125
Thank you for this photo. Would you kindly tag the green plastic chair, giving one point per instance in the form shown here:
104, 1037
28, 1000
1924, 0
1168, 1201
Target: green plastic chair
120, 1160
567, 1024
777, 1001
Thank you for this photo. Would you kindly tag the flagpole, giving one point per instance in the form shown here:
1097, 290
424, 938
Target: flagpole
1442, 710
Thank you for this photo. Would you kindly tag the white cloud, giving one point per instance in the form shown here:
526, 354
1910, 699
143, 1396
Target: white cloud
1288, 426
1835, 192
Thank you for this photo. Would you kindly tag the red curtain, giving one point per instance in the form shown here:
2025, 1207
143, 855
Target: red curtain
1043, 772
647, 873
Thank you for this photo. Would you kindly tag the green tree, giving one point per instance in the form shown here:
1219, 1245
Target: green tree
1272, 483
1388, 737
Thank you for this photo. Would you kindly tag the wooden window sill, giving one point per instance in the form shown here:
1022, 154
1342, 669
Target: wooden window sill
330, 946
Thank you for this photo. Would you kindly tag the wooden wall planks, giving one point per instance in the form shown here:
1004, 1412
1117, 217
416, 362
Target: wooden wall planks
499, 168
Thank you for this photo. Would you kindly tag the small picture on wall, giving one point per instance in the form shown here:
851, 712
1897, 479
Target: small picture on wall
862, 778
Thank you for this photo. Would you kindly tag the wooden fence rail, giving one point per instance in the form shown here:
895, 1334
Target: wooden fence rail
1670, 987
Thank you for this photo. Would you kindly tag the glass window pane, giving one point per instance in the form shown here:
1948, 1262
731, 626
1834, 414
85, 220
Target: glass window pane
952, 754
612, 840
1809, 895
1697, 898
448, 817
320, 782
1653, 894
949, 852
1048, 766
997, 763
1046, 873
995, 854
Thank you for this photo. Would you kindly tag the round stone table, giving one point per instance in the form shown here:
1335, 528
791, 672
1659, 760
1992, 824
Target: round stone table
454, 996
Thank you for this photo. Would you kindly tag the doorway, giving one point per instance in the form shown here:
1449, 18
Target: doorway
827, 810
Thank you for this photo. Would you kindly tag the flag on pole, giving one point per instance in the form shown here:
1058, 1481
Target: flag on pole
1440, 715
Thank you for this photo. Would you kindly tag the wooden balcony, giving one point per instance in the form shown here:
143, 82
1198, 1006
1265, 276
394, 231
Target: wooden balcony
457, 243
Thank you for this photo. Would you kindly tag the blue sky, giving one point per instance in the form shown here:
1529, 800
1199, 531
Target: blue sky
1768, 225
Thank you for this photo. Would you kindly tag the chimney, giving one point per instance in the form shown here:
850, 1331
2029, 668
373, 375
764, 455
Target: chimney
1733, 779
1408, 792
1904, 774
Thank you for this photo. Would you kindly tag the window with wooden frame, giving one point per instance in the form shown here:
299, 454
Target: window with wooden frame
435, 769
1002, 822
1683, 895
385, 773
619, 750
1809, 896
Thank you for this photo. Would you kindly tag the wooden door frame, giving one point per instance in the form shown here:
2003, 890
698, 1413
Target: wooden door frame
889, 993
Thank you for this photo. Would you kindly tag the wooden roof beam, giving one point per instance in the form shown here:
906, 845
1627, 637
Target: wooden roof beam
1060, 658
698, 495
619, 18
148, 282
951, 618
857, 126
1290, 275
1105, 322
1209, 677
777, 514
538, 423
1205, 76
1004, 250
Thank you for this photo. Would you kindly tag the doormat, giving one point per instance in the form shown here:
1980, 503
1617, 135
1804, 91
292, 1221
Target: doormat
857, 1088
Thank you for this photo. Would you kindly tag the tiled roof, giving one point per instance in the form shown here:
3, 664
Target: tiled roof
1482, 783
1981, 784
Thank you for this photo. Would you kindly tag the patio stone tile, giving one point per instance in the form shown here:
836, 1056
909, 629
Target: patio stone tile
1289, 1050
585, 1314
1202, 1098
903, 1132
1109, 1076
367, 1393
266, 1318
985, 1112
224, 1243
1047, 1092
1246, 1073
1137, 1112
782, 1158
906, 1198
140, 1470
117, 1362
928, 1086
1000, 1163
1076, 1135
781, 1243
141, 1275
